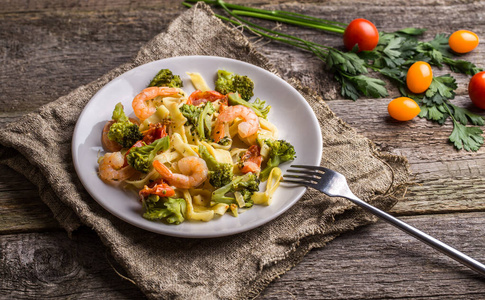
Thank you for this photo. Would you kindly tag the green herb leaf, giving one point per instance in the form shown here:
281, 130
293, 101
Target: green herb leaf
433, 113
435, 49
463, 116
353, 86
468, 138
347, 62
462, 66
441, 88
412, 31
395, 74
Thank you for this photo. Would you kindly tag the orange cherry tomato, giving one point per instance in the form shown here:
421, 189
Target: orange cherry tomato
463, 41
362, 33
419, 77
403, 109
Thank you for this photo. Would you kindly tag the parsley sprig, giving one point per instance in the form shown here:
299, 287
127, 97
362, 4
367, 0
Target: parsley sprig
392, 62
392, 57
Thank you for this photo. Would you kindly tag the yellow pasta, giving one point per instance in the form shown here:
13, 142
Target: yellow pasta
181, 146
205, 215
198, 81
265, 198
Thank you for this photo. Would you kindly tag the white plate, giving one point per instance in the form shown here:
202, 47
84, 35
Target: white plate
290, 112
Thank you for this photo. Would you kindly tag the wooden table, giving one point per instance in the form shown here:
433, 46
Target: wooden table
50, 47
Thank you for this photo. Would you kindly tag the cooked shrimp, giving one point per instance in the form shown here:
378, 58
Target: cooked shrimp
143, 104
108, 144
193, 170
112, 168
248, 127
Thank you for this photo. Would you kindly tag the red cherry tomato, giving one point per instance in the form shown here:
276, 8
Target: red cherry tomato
476, 89
463, 41
403, 109
363, 33
419, 77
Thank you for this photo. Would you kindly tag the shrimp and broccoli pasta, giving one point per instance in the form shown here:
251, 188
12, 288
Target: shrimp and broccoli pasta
193, 157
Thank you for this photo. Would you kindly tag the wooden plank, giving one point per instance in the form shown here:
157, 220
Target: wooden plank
376, 261
381, 262
50, 265
53, 47
73, 5
20, 206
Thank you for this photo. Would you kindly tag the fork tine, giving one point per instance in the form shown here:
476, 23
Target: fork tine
302, 178
311, 173
299, 182
309, 167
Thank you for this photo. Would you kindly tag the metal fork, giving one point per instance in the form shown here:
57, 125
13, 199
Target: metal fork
334, 184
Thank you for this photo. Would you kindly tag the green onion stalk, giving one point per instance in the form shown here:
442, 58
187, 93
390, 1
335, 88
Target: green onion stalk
235, 11
279, 16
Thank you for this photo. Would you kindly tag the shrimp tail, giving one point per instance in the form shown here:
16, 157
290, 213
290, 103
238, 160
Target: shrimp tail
218, 132
162, 169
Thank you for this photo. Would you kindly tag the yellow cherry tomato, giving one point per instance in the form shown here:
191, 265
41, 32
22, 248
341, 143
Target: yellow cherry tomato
463, 41
403, 109
419, 77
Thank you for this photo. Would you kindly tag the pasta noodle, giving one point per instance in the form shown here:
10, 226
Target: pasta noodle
198, 81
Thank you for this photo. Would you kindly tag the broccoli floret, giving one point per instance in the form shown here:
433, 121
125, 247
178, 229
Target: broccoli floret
123, 131
246, 185
200, 117
170, 210
228, 82
191, 113
219, 173
249, 183
204, 124
244, 86
141, 158
280, 151
258, 106
165, 77
246, 194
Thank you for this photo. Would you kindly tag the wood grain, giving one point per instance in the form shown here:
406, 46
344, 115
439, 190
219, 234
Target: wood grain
380, 262
50, 265
377, 260
50, 47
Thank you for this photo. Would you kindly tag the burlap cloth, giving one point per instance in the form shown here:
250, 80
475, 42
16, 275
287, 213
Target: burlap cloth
233, 267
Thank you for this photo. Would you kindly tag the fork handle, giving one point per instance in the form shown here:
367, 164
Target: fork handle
431, 241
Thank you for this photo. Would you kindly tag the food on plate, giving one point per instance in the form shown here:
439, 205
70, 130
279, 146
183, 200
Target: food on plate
165, 77
463, 41
197, 156
229, 82
403, 109
419, 77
